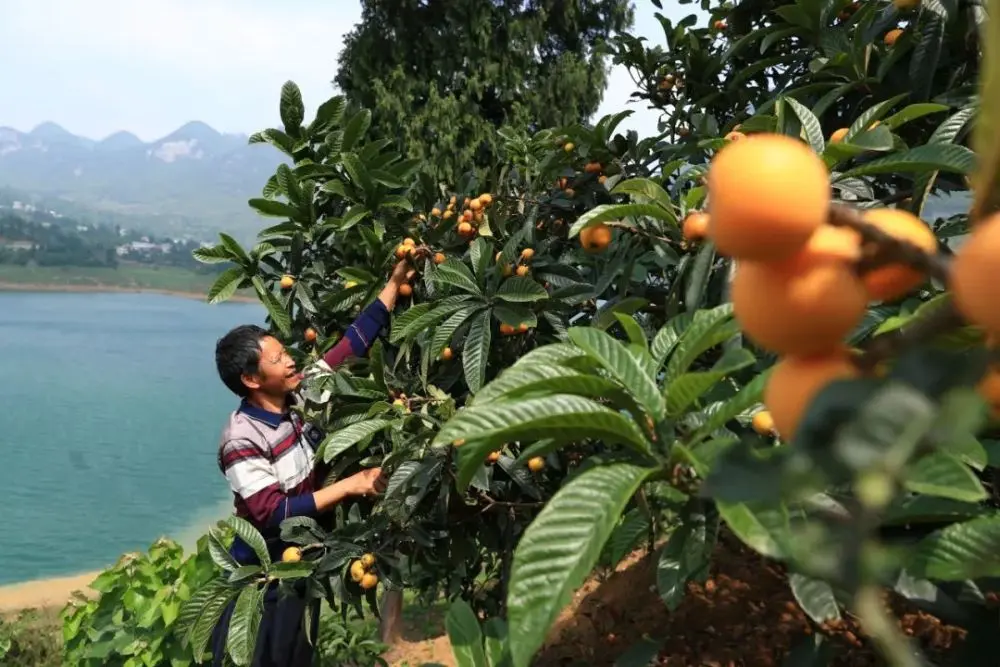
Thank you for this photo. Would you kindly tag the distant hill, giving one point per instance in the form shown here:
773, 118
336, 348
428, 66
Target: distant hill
195, 180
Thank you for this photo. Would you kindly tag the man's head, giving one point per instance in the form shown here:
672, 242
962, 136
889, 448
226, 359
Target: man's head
250, 360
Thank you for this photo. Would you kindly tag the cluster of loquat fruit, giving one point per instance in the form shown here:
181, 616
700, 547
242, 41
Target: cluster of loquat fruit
535, 463
473, 214
803, 278
361, 572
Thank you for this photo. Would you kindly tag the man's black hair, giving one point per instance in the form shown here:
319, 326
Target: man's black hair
238, 354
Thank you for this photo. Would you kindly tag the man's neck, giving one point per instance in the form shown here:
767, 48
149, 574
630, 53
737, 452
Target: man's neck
270, 403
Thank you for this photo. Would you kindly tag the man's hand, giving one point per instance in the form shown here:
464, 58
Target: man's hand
402, 272
368, 482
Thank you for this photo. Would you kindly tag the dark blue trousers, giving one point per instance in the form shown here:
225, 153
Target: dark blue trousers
282, 640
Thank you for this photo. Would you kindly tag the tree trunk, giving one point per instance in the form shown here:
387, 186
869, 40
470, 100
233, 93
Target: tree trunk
391, 610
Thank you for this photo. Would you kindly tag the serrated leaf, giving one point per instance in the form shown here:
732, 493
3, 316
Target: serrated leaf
476, 351
614, 212
758, 528
687, 388
356, 128
272, 208
716, 415
200, 614
708, 328
622, 365
279, 316
226, 284
410, 326
444, 331
216, 254
249, 534
292, 110
944, 476
960, 551
685, 557
518, 289
560, 548
343, 439
930, 157
220, 555
644, 189
634, 525
812, 131
244, 624
456, 273
541, 378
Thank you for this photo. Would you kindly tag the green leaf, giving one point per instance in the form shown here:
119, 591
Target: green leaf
518, 289
226, 284
867, 117
464, 635
244, 624
356, 128
812, 131
944, 476
913, 112
279, 316
444, 331
235, 248
246, 532
273, 209
930, 157
815, 597
562, 417
960, 551
986, 134
456, 273
560, 548
220, 554
626, 535
708, 328
759, 529
476, 351
622, 365
343, 439
644, 191
685, 557
407, 326
945, 133
292, 110
216, 254
633, 330
541, 379
201, 613
614, 212
684, 391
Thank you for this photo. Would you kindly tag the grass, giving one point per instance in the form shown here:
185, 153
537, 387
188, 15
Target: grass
31, 638
126, 276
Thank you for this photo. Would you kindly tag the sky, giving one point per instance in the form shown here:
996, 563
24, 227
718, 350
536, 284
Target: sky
149, 66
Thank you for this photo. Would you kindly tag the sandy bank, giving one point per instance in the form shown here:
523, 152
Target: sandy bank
45, 287
43, 593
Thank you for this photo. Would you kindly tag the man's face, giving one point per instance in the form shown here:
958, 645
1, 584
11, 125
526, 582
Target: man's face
276, 373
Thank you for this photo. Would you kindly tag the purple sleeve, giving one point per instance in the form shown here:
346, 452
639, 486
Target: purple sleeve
360, 335
271, 506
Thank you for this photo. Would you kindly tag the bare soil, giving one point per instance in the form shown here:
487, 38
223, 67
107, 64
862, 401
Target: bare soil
743, 616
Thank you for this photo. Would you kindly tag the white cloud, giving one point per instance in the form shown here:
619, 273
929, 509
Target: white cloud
98, 66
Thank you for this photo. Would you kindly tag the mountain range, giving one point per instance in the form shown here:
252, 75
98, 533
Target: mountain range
193, 181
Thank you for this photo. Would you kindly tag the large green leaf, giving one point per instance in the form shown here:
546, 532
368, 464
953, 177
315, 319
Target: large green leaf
708, 329
560, 548
563, 417
685, 556
445, 330
540, 379
292, 110
812, 131
345, 438
220, 554
464, 635
249, 534
815, 597
244, 624
518, 289
644, 190
356, 128
476, 351
716, 415
216, 254
622, 365
226, 284
273, 209
913, 112
930, 157
201, 613
945, 133
945, 476
615, 212
760, 529
986, 135
689, 387
456, 273
961, 551
408, 326
279, 316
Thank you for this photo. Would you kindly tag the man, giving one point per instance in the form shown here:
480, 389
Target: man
268, 455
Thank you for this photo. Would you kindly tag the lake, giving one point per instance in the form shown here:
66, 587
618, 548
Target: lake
111, 414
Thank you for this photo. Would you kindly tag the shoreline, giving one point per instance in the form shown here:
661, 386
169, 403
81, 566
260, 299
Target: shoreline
50, 287
53, 592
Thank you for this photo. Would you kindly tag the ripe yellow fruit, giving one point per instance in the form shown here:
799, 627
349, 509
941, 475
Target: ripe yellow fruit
405, 289
989, 389
467, 215
719, 25
763, 423
796, 381
892, 281
493, 457
368, 561
536, 464
506, 329
287, 282
451, 202
595, 238
527, 254
768, 194
402, 250
838, 135
973, 276
447, 214
522, 270
436, 211
507, 270
447, 354
486, 198
797, 307
892, 36
408, 241
569, 147
459, 442
479, 217
291, 555
439, 258
695, 226
522, 328
357, 571
369, 581
475, 204
464, 228
310, 335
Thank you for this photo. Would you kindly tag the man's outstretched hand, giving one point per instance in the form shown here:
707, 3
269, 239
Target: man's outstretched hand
402, 272
368, 482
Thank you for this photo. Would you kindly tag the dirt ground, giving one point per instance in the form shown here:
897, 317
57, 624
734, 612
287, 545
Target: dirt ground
744, 616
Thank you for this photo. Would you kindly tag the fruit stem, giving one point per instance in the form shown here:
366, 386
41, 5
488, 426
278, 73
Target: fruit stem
890, 250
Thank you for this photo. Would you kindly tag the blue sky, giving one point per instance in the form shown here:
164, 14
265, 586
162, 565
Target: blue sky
149, 66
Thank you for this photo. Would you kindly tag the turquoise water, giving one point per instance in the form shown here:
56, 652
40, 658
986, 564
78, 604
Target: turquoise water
110, 412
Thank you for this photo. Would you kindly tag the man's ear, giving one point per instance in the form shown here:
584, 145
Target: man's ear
252, 382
